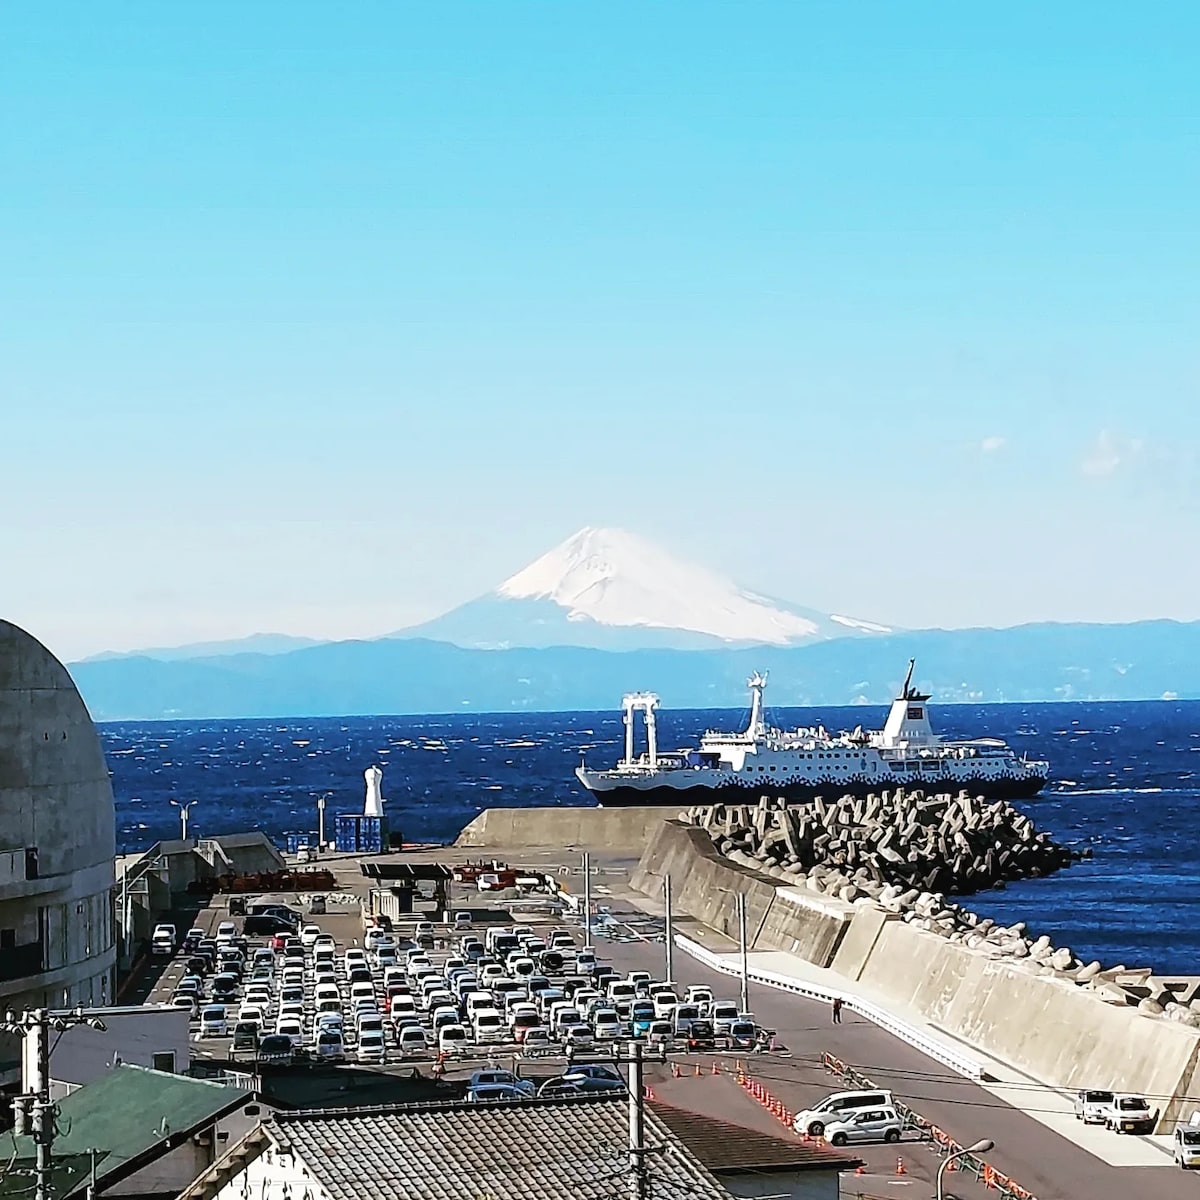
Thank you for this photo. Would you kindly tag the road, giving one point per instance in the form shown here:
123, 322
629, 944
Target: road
1049, 1166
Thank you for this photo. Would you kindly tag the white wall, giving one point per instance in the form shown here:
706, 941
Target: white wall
267, 1177
801, 1185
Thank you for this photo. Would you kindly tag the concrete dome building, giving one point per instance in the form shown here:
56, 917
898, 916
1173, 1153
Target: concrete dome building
57, 836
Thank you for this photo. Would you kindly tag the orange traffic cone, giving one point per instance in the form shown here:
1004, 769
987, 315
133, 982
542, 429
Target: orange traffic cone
696, 1071
901, 1169
650, 1093
860, 1169
715, 1069
675, 1071
951, 1165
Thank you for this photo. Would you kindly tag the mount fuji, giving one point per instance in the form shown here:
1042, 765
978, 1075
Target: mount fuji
613, 590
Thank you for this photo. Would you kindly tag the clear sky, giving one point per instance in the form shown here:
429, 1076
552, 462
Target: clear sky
323, 318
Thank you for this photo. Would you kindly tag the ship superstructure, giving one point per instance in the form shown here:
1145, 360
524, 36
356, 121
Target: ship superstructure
809, 761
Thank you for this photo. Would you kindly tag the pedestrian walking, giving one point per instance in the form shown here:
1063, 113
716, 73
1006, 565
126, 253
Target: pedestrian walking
837, 1010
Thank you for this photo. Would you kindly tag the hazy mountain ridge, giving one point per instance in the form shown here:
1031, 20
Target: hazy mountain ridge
1144, 660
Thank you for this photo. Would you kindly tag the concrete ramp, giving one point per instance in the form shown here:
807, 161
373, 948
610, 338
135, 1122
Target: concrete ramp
586, 828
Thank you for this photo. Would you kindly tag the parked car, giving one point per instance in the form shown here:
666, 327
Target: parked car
507, 1078
162, 941
495, 1091
869, 1125
1187, 1146
245, 1035
1130, 1113
276, 1050
372, 1047
594, 1077
212, 1021
836, 1108
453, 1039
267, 924
1092, 1105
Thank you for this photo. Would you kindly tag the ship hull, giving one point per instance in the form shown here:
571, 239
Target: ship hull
654, 795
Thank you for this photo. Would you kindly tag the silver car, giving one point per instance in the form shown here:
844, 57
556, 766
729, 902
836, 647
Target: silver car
871, 1125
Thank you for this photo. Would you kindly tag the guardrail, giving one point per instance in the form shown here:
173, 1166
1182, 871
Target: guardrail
945, 1053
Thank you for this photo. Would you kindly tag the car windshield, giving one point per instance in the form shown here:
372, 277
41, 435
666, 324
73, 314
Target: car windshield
1133, 1104
1190, 1137
1098, 1097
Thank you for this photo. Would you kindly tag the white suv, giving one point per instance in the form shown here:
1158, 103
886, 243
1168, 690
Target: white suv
838, 1107
869, 1125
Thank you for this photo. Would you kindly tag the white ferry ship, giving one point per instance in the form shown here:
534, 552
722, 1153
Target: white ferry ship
807, 762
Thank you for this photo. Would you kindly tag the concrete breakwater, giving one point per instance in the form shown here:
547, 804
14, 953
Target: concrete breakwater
938, 843
1016, 997
536, 828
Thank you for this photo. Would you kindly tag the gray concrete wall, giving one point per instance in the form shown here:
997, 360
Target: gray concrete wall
704, 884
588, 828
55, 798
1053, 1030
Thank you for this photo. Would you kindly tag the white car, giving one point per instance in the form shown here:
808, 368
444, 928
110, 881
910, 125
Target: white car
162, 941
309, 935
410, 1040
489, 1025
291, 1027
869, 1125
372, 1047
226, 931
453, 1039
839, 1107
212, 1021
1187, 1146
606, 1023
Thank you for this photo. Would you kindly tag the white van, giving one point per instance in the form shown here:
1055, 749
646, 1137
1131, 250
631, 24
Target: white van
489, 1025
162, 941
212, 1021
1187, 1146
836, 1108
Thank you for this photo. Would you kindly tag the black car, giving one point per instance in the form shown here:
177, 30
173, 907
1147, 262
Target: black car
266, 924
702, 1036
198, 964
276, 910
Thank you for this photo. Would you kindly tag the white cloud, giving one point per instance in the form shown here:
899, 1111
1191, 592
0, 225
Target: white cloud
991, 444
1109, 453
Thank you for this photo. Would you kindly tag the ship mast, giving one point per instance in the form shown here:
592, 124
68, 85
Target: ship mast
756, 683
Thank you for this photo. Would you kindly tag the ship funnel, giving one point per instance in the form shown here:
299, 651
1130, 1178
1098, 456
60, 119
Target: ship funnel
373, 806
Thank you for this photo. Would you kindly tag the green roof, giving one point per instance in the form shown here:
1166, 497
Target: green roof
122, 1115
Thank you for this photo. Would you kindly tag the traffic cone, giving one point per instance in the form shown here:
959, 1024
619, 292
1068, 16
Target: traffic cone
715, 1069
650, 1093
860, 1169
675, 1071
696, 1071
951, 1165
901, 1169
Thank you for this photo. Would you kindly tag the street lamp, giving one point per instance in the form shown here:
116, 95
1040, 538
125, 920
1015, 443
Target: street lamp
184, 809
980, 1147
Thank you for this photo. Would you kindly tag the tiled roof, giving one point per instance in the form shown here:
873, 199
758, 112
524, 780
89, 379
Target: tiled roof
724, 1147
564, 1149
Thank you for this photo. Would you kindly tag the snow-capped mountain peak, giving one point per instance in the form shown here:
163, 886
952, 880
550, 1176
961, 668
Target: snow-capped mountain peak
614, 577
611, 589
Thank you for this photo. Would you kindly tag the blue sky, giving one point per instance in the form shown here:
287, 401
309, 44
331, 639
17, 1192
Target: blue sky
324, 318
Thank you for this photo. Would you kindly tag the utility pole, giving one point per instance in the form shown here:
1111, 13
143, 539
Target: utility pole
34, 1112
637, 1124
668, 930
741, 911
587, 900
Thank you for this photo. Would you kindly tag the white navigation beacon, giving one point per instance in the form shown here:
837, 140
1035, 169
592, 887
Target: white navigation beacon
373, 806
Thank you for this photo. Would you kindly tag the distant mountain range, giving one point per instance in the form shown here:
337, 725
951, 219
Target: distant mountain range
607, 612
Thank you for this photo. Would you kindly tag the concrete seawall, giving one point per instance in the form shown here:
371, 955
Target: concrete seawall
536, 828
1054, 1030
704, 884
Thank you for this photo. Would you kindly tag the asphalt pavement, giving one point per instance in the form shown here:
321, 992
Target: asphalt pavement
1042, 1162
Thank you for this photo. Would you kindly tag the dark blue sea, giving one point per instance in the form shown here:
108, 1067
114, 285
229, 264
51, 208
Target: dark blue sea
1124, 783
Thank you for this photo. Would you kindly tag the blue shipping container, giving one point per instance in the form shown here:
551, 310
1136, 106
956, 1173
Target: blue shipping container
357, 834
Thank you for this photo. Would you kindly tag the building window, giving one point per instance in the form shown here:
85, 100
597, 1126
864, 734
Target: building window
164, 1060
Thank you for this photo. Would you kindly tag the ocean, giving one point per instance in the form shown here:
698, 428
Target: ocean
1123, 783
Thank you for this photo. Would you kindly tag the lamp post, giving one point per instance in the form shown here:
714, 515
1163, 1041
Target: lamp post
184, 809
980, 1147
